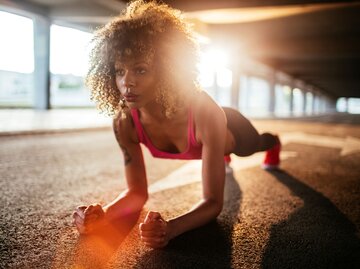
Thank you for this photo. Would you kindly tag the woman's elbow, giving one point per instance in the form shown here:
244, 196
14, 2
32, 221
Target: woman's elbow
217, 207
137, 196
145, 197
141, 196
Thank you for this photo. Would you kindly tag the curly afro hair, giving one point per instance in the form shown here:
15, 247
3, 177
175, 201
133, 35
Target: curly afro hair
146, 30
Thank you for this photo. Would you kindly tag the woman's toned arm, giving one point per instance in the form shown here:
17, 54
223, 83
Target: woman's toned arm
131, 200
211, 128
134, 198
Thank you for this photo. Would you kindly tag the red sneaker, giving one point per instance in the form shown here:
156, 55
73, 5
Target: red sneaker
272, 157
227, 161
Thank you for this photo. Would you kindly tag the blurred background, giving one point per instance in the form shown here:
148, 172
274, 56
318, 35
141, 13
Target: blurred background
266, 58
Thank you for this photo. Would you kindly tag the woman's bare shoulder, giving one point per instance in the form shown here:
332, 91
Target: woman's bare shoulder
207, 116
124, 128
205, 107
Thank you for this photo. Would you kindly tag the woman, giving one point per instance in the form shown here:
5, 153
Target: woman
143, 71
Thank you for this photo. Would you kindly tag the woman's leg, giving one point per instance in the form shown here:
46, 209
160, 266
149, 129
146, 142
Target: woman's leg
267, 141
247, 138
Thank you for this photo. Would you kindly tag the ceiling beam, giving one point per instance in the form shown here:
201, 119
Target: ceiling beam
314, 49
114, 5
194, 5
23, 8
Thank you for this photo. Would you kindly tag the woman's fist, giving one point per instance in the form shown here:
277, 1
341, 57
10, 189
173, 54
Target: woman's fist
88, 218
154, 230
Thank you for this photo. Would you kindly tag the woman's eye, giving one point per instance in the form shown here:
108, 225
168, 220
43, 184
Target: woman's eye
140, 71
120, 72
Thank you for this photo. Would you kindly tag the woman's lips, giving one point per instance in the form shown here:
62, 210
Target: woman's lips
130, 97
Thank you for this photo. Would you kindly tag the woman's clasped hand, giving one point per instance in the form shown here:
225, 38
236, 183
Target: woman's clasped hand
89, 218
154, 231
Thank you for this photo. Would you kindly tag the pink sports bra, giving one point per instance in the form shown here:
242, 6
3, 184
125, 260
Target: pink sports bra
193, 150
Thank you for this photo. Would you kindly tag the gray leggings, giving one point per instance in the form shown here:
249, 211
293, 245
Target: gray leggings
247, 138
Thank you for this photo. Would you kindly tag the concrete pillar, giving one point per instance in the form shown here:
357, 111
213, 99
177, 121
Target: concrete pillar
310, 103
249, 86
235, 85
304, 92
346, 105
317, 101
314, 103
326, 105
291, 100
243, 92
42, 60
333, 105
321, 104
272, 99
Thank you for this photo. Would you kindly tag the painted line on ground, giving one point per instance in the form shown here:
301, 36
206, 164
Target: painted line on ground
191, 171
348, 145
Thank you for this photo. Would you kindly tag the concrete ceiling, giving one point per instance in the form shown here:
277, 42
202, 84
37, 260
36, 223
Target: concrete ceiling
317, 42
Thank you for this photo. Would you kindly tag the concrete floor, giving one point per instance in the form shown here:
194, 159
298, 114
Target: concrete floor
305, 216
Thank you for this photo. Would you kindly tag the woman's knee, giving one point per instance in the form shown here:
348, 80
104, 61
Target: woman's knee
247, 139
267, 141
248, 146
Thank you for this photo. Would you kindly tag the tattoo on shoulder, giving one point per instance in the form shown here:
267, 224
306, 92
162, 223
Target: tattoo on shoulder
127, 157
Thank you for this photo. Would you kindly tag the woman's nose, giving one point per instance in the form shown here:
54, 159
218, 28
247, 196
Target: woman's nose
128, 80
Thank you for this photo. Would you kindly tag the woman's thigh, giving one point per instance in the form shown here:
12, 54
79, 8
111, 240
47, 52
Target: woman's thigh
246, 137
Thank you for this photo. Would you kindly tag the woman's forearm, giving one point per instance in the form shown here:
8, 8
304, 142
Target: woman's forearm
202, 213
126, 203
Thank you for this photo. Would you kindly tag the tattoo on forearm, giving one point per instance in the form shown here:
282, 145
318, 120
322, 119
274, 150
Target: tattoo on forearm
127, 157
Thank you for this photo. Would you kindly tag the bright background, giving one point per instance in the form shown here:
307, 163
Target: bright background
69, 50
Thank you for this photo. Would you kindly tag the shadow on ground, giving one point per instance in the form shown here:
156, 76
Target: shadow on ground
207, 247
96, 250
317, 235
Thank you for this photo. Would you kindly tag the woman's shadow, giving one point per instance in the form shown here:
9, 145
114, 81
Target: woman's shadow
209, 246
318, 235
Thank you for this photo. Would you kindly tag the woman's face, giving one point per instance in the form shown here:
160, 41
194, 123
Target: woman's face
136, 82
